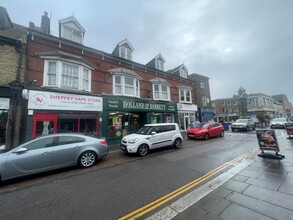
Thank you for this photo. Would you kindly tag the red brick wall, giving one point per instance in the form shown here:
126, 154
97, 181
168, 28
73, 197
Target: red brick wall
101, 78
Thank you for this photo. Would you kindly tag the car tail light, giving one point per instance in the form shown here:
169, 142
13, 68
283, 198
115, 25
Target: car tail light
104, 142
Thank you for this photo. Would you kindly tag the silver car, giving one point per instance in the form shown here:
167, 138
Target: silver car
51, 152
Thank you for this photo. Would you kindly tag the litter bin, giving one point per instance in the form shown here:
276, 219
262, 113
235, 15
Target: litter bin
226, 126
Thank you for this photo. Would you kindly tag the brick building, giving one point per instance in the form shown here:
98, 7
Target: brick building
71, 87
12, 69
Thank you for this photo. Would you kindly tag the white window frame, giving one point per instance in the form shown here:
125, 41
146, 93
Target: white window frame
123, 85
125, 53
183, 73
159, 94
183, 93
202, 85
159, 64
59, 72
72, 34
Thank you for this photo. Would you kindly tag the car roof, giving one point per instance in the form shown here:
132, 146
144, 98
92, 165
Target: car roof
158, 124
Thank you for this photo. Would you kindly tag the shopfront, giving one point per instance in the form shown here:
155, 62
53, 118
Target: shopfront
186, 115
51, 112
122, 116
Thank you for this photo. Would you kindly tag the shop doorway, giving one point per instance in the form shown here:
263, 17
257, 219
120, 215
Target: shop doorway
44, 124
3, 123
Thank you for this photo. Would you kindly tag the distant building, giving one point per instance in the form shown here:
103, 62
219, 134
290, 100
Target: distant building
226, 109
283, 99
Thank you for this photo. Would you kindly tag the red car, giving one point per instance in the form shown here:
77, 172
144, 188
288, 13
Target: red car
205, 130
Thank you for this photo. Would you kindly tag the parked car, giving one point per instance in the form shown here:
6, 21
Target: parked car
278, 123
51, 152
152, 136
205, 130
243, 124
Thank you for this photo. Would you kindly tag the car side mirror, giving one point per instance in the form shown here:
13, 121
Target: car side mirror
153, 133
20, 150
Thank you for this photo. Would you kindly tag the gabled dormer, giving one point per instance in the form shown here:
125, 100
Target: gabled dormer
157, 63
179, 71
70, 29
124, 50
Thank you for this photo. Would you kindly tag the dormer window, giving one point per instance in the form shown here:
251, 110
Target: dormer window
124, 50
183, 73
159, 64
125, 53
70, 29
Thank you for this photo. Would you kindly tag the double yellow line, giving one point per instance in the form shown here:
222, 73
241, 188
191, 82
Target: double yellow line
157, 203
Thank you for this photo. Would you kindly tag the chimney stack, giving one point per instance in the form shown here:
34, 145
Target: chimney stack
45, 23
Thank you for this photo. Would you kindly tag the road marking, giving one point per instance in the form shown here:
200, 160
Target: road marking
159, 202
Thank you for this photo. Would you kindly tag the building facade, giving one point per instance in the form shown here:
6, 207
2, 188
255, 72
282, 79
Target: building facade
71, 87
12, 69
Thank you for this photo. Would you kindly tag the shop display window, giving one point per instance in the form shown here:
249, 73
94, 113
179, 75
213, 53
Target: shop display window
123, 123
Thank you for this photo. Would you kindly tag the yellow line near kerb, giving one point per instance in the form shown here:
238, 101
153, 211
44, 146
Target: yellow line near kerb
157, 203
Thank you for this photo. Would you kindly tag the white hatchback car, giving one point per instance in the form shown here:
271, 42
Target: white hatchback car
152, 136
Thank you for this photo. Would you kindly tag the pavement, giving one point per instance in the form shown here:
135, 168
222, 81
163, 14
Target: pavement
255, 188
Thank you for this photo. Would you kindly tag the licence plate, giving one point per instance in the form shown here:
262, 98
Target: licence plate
190, 135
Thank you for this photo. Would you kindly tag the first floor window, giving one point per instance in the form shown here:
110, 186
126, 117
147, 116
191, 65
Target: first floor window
67, 75
161, 92
124, 85
185, 95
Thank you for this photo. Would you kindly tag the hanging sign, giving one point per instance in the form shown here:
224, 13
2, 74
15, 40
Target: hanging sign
267, 140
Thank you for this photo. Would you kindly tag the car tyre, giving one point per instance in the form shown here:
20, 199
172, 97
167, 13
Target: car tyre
233, 129
247, 128
222, 134
206, 136
143, 150
254, 127
87, 159
177, 143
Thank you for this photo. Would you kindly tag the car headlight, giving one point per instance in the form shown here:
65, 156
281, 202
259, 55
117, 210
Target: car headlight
132, 141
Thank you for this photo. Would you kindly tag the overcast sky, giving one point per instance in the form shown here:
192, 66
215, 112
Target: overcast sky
235, 43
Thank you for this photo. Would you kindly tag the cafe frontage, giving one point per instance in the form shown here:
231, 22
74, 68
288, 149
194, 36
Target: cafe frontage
122, 116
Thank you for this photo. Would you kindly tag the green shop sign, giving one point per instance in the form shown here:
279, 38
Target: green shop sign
126, 104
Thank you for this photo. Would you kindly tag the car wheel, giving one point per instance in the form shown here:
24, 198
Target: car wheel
206, 136
254, 127
233, 129
247, 128
177, 143
87, 159
222, 134
143, 150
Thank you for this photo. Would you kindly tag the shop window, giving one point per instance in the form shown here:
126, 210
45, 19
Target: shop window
67, 75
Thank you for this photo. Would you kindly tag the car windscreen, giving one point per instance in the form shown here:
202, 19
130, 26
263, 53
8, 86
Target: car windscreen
145, 130
196, 125
241, 120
